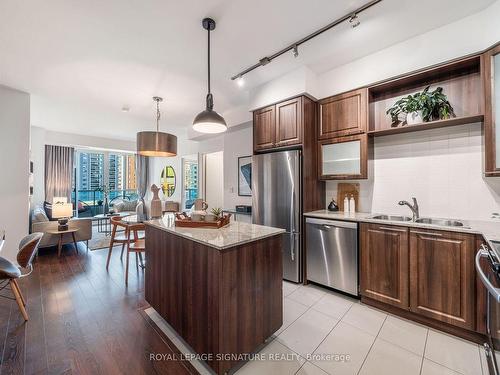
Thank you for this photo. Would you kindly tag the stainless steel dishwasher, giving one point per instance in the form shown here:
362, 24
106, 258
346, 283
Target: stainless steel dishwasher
332, 254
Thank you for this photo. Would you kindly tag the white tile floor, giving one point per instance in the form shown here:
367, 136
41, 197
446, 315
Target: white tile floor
326, 333
319, 324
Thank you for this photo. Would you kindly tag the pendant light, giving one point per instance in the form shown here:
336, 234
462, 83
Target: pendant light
156, 143
209, 121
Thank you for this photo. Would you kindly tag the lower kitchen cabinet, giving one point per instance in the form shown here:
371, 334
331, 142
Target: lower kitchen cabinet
384, 264
428, 273
442, 276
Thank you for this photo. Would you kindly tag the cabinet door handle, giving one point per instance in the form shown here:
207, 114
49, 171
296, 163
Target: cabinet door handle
428, 233
392, 229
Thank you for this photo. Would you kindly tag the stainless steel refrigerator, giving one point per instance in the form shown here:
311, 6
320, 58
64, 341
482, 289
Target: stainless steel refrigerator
277, 202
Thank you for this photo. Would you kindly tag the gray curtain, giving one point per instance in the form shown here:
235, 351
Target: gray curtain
142, 176
58, 172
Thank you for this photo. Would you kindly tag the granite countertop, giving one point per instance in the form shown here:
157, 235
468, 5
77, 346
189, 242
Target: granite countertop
490, 230
234, 234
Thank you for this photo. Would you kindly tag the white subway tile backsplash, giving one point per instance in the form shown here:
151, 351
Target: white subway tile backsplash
443, 168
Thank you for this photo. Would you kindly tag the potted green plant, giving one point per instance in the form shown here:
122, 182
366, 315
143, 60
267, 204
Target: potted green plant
217, 212
421, 107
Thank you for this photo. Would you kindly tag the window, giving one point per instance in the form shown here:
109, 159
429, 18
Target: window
96, 170
190, 182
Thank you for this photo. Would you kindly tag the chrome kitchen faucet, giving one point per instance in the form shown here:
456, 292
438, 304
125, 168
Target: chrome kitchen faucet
413, 207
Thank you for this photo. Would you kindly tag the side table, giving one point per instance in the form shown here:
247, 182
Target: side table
61, 235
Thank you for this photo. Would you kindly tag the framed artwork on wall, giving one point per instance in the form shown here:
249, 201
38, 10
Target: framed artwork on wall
245, 176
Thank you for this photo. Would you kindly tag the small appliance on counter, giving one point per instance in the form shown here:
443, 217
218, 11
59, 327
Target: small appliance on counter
243, 208
333, 206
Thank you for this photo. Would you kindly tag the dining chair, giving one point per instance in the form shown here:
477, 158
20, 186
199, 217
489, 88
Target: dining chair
9, 272
135, 245
119, 235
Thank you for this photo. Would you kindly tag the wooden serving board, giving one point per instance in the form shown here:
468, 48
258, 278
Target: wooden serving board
343, 189
185, 221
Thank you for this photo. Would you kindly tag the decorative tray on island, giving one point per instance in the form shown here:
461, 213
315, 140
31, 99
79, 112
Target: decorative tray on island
182, 220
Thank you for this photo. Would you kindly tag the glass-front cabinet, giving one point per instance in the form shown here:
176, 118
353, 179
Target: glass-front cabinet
343, 158
492, 111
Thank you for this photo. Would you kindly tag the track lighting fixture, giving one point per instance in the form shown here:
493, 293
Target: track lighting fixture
352, 17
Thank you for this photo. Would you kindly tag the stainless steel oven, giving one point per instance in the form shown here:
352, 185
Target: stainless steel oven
488, 269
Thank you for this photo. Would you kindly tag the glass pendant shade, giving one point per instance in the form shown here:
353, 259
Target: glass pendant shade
156, 143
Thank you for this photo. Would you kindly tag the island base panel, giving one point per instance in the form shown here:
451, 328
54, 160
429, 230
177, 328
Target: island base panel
219, 301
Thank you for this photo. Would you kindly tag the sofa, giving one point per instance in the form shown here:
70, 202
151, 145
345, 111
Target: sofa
124, 206
40, 222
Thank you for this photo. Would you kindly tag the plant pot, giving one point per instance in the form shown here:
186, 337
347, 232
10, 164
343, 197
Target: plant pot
414, 118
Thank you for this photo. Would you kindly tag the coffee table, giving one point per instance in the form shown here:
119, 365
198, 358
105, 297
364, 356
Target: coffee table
104, 223
61, 235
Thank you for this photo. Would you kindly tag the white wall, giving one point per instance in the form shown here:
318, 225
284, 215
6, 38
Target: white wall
14, 166
442, 168
214, 179
294, 83
236, 144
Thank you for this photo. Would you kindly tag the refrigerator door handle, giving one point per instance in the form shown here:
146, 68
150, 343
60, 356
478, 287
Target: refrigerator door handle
294, 246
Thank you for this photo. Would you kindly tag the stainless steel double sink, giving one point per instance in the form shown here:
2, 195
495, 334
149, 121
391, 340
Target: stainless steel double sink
421, 220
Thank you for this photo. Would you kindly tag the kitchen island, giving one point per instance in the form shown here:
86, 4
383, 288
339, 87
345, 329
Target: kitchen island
219, 289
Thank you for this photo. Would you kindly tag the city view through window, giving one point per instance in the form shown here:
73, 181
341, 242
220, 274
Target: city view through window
190, 174
97, 173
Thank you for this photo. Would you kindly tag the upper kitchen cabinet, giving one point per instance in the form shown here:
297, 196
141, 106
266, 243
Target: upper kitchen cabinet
492, 111
285, 124
264, 128
344, 158
344, 114
289, 122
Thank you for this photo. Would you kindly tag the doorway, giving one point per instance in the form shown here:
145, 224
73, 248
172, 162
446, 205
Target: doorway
213, 181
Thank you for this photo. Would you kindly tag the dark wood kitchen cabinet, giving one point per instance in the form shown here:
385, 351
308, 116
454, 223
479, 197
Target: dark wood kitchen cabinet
289, 122
285, 124
384, 264
442, 276
264, 128
491, 60
421, 274
344, 114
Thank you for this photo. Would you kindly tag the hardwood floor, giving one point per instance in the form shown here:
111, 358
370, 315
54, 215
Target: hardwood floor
83, 320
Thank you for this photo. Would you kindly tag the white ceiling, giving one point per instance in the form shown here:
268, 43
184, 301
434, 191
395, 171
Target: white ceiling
84, 60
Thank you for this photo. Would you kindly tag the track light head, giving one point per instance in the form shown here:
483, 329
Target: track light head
354, 21
295, 51
240, 81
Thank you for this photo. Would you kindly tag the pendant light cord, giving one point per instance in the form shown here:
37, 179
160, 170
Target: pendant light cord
208, 61
210, 100
157, 116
